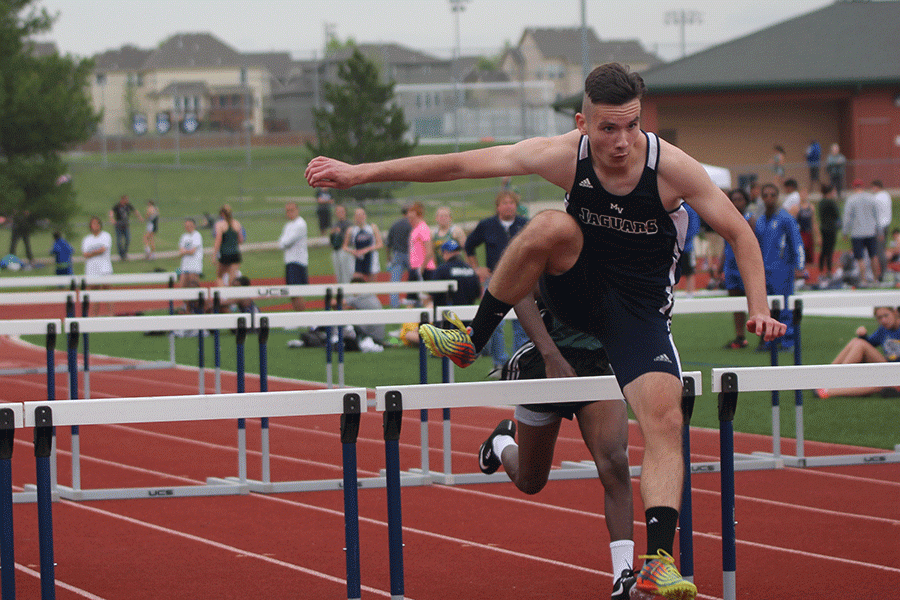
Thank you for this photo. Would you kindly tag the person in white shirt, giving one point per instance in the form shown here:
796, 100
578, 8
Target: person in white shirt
791, 197
293, 241
190, 249
96, 248
885, 210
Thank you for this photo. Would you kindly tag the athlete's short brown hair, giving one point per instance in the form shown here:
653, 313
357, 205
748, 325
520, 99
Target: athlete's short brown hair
613, 84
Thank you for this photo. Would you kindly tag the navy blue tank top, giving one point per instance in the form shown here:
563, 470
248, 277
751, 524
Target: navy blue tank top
631, 241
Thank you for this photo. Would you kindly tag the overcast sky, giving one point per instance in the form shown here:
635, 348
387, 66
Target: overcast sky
86, 27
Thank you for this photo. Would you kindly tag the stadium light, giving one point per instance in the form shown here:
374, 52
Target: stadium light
456, 7
683, 18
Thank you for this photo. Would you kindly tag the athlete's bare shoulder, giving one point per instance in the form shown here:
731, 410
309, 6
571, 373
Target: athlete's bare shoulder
553, 158
680, 176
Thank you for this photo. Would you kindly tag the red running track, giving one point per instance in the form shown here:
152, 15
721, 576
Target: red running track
824, 533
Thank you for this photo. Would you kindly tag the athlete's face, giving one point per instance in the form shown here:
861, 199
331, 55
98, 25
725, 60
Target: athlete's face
887, 318
612, 131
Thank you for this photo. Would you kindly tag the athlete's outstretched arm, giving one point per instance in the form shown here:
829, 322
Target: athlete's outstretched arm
683, 177
538, 156
530, 318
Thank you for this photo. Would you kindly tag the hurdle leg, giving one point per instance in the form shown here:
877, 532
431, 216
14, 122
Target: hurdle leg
51, 395
798, 394
263, 338
7, 553
727, 406
73, 394
43, 436
423, 414
349, 433
685, 516
241, 337
447, 377
393, 416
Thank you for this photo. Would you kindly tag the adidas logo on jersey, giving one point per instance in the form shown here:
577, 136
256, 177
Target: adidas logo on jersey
585, 183
662, 358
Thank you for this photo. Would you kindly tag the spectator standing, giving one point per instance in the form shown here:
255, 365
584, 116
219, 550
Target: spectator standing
806, 221
688, 261
152, 220
363, 240
20, 229
453, 267
782, 252
421, 253
398, 251
861, 226
836, 167
778, 163
190, 249
444, 231
829, 225
323, 210
227, 247
813, 161
96, 248
885, 209
494, 233
294, 243
341, 260
791, 197
62, 253
119, 214
731, 276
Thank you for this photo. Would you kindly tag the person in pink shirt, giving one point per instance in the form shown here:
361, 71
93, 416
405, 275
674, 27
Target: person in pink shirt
421, 252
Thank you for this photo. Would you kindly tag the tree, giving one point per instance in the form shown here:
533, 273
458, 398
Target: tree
361, 122
43, 109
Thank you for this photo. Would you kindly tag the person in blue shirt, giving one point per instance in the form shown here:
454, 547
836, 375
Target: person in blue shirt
864, 349
688, 262
782, 251
813, 160
729, 274
62, 250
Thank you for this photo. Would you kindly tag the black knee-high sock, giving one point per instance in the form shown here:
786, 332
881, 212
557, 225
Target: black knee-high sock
661, 524
490, 314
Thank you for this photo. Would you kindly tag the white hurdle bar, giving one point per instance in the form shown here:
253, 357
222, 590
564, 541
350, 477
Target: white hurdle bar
531, 391
70, 281
804, 377
44, 416
322, 289
160, 409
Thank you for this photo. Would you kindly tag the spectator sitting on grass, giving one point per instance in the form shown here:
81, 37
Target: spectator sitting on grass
864, 349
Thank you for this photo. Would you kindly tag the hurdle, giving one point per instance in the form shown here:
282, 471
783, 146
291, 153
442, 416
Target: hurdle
41, 281
11, 418
806, 377
76, 281
729, 382
76, 326
139, 295
43, 416
68, 299
826, 300
324, 319
49, 329
393, 400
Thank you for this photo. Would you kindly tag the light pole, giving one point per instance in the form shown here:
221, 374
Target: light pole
683, 18
101, 83
456, 7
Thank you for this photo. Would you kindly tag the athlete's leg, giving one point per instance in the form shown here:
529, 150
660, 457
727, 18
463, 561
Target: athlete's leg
856, 351
604, 428
655, 398
528, 463
550, 243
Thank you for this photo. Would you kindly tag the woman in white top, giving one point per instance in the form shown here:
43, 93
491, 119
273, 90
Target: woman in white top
190, 249
96, 248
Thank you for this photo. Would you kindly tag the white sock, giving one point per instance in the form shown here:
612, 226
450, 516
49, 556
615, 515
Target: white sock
500, 442
622, 556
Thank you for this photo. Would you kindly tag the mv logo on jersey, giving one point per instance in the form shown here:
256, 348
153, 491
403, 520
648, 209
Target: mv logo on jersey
617, 223
616, 208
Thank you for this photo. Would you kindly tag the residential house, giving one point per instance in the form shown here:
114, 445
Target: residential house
831, 75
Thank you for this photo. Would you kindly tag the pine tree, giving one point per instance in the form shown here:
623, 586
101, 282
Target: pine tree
361, 123
43, 109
